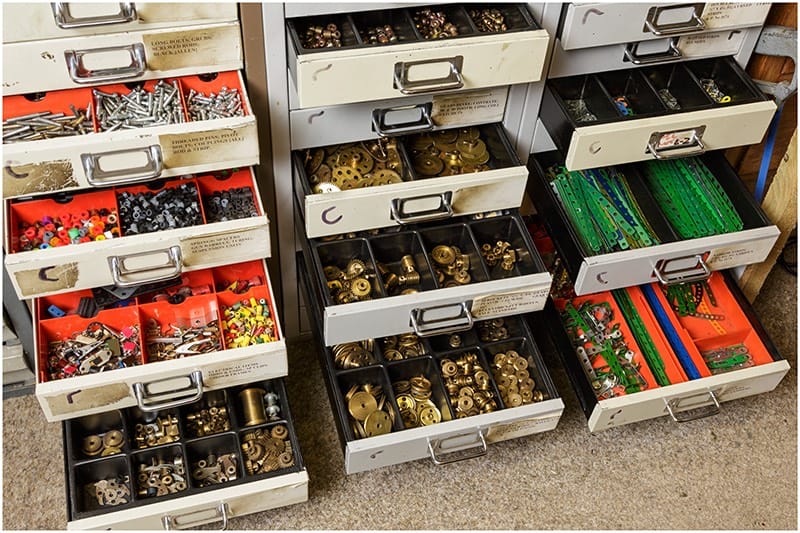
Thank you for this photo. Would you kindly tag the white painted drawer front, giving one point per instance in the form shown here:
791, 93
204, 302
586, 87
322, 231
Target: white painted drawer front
588, 123
129, 156
472, 60
673, 260
412, 114
465, 435
131, 56
587, 25
137, 258
690, 394
415, 198
161, 382
432, 310
686, 397
37, 21
452, 438
195, 505
643, 53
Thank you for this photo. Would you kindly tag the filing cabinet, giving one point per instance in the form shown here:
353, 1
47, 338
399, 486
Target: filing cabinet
134, 218
664, 84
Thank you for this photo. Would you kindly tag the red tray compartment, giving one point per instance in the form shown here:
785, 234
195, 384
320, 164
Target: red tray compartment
161, 318
213, 83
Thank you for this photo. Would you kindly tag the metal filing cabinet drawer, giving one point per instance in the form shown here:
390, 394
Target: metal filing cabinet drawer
675, 259
121, 57
417, 186
686, 397
643, 53
436, 304
245, 492
40, 21
587, 25
103, 157
412, 65
319, 126
132, 255
644, 126
145, 371
453, 437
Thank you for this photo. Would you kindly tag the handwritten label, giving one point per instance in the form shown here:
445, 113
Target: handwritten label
510, 303
469, 108
238, 146
194, 48
734, 256
711, 43
260, 367
726, 15
521, 428
236, 245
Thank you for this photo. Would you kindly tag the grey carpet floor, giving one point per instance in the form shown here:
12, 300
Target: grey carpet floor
736, 470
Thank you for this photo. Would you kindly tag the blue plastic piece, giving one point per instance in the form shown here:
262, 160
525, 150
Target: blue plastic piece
672, 335
55, 311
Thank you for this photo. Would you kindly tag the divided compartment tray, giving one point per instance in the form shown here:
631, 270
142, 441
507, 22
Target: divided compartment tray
82, 469
673, 257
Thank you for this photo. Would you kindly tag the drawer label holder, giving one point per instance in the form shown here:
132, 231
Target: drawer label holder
510, 303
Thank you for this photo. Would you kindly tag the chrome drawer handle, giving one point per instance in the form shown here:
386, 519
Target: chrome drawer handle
692, 413
675, 144
65, 20
425, 122
694, 24
473, 450
672, 54
220, 513
453, 80
80, 74
423, 328
699, 272
444, 210
119, 272
155, 402
98, 177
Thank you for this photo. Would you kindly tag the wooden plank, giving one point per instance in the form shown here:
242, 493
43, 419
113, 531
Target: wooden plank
780, 205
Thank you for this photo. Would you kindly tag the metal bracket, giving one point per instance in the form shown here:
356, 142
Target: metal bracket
782, 42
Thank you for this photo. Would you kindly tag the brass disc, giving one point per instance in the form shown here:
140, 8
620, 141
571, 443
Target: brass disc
279, 432
443, 255
92, 445
345, 177
406, 402
409, 418
514, 400
430, 415
361, 405
421, 142
113, 438
428, 165
445, 136
377, 423
386, 176
471, 133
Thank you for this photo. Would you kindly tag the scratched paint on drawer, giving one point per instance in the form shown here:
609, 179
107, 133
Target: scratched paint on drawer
82, 399
510, 303
195, 148
195, 48
521, 428
232, 246
22, 179
47, 279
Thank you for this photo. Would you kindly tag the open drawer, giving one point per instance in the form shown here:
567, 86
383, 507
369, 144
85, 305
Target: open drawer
429, 279
419, 423
133, 55
711, 351
672, 256
159, 348
425, 50
406, 180
180, 468
127, 236
318, 126
74, 138
587, 24
40, 21
658, 112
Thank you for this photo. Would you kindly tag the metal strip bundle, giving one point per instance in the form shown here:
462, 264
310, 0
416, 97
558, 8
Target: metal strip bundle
691, 198
602, 209
642, 337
